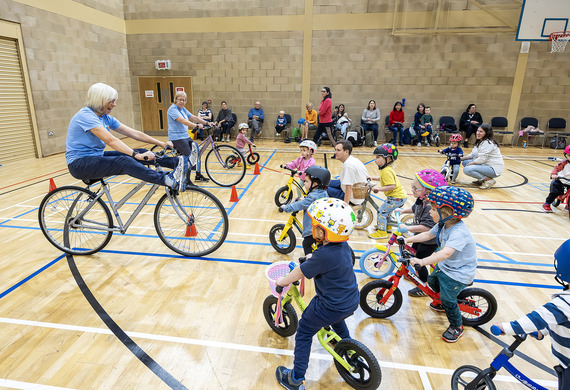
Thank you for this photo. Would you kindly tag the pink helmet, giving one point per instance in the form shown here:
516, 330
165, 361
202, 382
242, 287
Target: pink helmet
455, 138
567, 150
430, 178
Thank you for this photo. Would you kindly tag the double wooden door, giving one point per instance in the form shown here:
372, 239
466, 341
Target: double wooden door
156, 94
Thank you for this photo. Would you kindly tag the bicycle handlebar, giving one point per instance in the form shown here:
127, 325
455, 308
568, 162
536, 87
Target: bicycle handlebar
399, 221
293, 172
498, 332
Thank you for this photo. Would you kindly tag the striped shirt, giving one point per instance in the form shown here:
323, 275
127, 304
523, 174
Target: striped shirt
555, 318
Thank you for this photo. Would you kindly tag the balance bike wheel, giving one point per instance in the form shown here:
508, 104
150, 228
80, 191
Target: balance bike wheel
366, 373
290, 322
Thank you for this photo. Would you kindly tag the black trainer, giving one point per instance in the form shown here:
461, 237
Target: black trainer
452, 334
200, 177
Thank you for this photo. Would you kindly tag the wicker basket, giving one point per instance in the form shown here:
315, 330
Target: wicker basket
360, 190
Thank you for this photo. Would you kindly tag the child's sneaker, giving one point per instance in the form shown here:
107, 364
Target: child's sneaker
546, 207
378, 234
286, 379
452, 334
438, 308
416, 293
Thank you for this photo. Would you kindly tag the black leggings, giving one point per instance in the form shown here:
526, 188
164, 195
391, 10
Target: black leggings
423, 251
556, 189
324, 127
470, 128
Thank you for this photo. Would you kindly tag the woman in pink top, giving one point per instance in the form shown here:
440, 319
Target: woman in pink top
325, 118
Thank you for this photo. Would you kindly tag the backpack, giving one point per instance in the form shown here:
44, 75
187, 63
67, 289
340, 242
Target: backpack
558, 142
295, 132
217, 134
449, 127
369, 139
407, 137
354, 137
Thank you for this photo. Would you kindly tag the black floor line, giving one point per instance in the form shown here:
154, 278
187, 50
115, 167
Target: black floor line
533, 271
530, 360
119, 333
34, 183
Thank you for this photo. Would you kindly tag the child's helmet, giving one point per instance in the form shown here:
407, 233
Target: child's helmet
334, 216
301, 121
309, 144
567, 150
321, 174
243, 126
386, 150
562, 263
460, 200
430, 178
455, 138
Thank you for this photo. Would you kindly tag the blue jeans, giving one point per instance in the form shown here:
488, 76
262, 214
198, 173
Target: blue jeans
384, 211
342, 128
370, 127
315, 317
449, 289
427, 137
117, 163
478, 171
335, 190
397, 134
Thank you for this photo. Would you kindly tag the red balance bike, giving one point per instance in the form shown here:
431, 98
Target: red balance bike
382, 298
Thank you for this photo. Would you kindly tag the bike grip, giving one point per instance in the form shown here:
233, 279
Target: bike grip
496, 330
145, 158
403, 230
302, 259
279, 289
280, 209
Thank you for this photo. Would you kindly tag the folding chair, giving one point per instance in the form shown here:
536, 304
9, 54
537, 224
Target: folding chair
500, 122
557, 124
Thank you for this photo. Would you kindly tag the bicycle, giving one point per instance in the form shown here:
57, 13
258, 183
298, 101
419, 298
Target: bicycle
380, 261
365, 216
473, 378
252, 157
435, 139
284, 195
221, 161
382, 298
77, 221
563, 199
354, 361
447, 170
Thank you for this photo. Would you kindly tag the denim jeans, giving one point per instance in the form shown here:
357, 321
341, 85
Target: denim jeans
449, 289
342, 128
397, 134
315, 317
117, 163
384, 211
478, 171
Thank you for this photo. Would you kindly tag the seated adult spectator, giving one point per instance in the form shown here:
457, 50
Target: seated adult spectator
485, 161
310, 121
225, 120
255, 118
369, 120
206, 114
469, 122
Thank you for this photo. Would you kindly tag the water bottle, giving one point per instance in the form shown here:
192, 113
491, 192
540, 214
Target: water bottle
524, 144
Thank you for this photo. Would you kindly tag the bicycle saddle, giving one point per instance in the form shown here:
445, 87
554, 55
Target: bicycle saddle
92, 181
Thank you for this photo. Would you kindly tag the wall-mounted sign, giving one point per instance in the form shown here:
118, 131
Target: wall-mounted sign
149, 93
179, 89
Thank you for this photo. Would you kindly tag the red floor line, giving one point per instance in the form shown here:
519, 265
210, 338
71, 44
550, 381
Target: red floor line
33, 178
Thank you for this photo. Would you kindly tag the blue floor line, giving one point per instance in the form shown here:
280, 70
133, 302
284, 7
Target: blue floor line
4, 293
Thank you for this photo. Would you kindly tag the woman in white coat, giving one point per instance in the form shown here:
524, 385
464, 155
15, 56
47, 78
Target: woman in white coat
485, 162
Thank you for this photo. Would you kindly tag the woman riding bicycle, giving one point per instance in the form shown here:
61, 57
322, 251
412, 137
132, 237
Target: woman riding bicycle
89, 133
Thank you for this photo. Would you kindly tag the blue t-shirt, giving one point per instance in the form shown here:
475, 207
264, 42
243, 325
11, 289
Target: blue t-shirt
462, 264
454, 155
254, 111
335, 281
177, 130
281, 121
81, 142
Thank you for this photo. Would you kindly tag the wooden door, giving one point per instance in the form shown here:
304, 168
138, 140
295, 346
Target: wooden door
156, 94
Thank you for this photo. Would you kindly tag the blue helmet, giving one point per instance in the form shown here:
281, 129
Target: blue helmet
301, 121
562, 262
460, 200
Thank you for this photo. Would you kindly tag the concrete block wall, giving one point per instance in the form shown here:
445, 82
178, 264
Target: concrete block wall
65, 57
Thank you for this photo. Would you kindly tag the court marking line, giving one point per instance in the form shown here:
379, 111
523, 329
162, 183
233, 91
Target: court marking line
28, 386
243, 347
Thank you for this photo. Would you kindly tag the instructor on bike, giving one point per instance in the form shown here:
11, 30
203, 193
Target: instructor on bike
89, 132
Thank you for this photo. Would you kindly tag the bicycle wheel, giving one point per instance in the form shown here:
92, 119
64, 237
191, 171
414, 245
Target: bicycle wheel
221, 173
369, 258
437, 141
465, 375
87, 235
481, 299
287, 245
365, 372
371, 294
208, 230
252, 158
281, 197
364, 216
290, 322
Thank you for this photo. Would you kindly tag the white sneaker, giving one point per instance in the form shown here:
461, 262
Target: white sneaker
419, 144
487, 184
375, 143
427, 143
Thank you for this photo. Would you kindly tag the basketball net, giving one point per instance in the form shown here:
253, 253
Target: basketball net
558, 41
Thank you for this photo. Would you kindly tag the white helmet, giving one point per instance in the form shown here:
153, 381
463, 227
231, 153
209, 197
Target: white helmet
243, 126
334, 216
309, 144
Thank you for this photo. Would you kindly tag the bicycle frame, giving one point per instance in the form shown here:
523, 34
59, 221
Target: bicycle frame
292, 221
325, 335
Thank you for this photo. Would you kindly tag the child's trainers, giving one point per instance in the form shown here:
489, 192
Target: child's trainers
452, 334
546, 207
378, 234
286, 379
416, 292
438, 308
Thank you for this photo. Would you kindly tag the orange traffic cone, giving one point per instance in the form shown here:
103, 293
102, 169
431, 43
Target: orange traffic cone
234, 196
52, 185
256, 170
191, 230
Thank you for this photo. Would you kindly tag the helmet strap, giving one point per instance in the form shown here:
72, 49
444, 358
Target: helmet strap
441, 225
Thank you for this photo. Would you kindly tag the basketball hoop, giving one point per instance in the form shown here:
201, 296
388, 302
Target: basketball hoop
558, 41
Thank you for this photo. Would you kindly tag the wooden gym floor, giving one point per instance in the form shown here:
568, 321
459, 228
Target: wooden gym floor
200, 319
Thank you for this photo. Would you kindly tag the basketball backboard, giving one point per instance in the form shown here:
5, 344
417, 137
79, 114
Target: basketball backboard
540, 18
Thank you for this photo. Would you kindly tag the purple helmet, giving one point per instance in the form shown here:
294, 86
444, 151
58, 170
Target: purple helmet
430, 178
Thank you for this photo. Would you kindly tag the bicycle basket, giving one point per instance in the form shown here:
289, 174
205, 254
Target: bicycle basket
360, 190
275, 271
